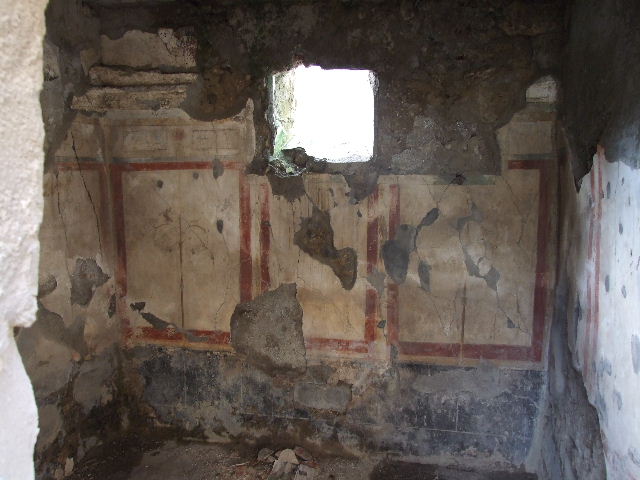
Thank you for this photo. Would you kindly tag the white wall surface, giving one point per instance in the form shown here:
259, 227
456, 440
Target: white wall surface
21, 161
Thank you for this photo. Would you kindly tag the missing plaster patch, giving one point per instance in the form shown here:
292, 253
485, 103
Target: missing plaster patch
396, 252
329, 113
86, 277
315, 238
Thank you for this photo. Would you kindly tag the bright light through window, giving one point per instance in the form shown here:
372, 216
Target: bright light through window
329, 113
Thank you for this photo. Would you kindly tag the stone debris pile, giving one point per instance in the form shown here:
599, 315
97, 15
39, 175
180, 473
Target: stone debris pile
288, 464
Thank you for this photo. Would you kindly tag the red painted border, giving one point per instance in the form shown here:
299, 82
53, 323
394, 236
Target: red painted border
486, 351
246, 266
473, 351
429, 349
210, 337
336, 344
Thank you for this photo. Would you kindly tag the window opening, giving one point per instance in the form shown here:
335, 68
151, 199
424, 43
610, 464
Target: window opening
329, 113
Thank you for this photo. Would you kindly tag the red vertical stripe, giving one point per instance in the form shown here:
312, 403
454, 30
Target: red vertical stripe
543, 239
393, 314
371, 295
265, 238
245, 238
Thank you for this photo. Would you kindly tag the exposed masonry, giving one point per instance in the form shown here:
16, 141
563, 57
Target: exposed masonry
422, 126
268, 331
348, 407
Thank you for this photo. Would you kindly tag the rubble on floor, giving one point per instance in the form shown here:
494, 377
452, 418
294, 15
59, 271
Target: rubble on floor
140, 458
296, 464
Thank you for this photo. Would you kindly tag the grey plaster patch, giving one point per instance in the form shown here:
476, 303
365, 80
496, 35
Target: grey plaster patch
601, 405
396, 252
361, 182
111, 310
430, 218
93, 385
50, 423
485, 381
377, 280
53, 327
155, 321
268, 331
323, 396
396, 261
48, 285
217, 168
86, 277
605, 366
291, 187
475, 215
138, 306
635, 353
618, 399
425, 276
491, 277
315, 238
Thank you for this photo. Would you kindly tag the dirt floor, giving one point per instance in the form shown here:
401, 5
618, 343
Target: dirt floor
136, 459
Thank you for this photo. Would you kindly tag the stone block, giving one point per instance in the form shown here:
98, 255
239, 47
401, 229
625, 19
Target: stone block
104, 99
102, 76
323, 397
544, 90
268, 330
167, 49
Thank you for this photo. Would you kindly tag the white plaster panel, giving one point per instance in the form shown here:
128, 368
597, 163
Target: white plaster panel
153, 222
210, 258
489, 226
